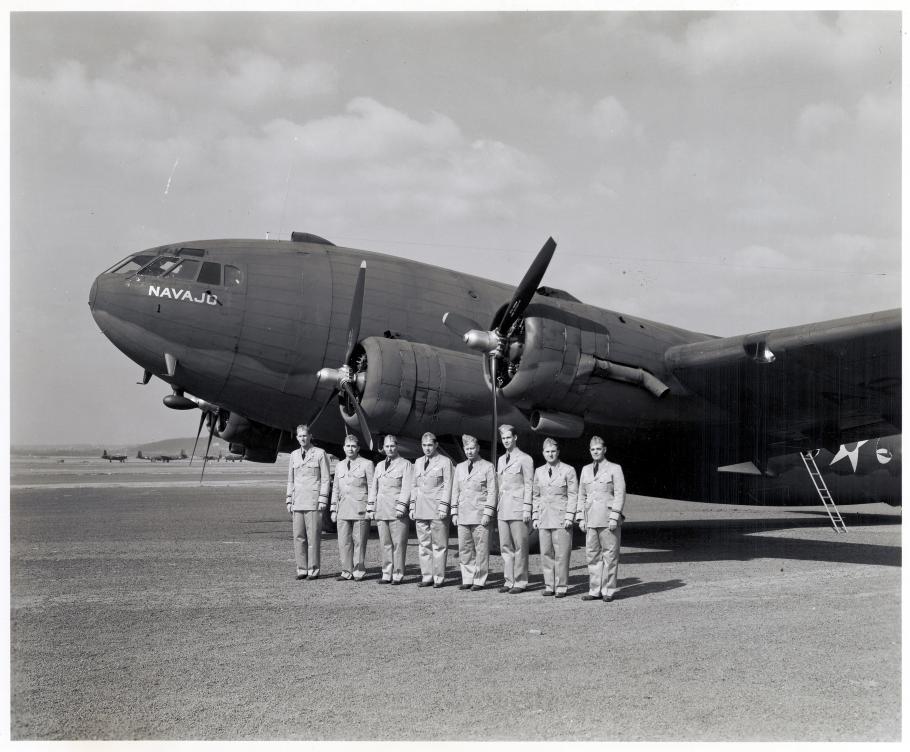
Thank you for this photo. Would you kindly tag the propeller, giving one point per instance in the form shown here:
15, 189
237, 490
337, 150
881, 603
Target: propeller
343, 376
495, 343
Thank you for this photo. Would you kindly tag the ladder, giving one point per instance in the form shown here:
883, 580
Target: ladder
822, 488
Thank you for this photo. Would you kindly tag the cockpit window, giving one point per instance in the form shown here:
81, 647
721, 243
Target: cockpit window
210, 274
232, 276
158, 266
130, 264
186, 269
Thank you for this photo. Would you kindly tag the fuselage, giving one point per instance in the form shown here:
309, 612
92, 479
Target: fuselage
249, 323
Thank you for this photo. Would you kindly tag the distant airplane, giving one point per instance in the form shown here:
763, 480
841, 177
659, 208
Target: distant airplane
266, 334
113, 457
233, 458
162, 457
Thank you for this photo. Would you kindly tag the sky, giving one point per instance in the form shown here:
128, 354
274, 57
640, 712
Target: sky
725, 172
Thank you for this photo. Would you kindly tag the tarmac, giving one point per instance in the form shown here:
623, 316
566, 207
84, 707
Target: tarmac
145, 605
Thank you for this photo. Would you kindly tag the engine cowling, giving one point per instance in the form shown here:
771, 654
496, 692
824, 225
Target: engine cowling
559, 365
410, 388
257, 442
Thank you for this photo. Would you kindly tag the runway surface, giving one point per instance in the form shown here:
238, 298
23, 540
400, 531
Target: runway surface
146, 606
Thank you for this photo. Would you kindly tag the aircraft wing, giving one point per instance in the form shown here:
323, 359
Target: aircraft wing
801, 387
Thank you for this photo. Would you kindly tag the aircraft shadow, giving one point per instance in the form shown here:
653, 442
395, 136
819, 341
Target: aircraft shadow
743, 539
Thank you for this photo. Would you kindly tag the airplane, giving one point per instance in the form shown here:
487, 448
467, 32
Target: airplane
262, 335
233, 458
162, 457
113, 457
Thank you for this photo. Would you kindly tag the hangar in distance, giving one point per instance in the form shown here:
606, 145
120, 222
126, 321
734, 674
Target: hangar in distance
261, 335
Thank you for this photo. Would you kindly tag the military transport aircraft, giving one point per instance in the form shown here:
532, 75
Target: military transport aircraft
262, 335
162, 457
113, 457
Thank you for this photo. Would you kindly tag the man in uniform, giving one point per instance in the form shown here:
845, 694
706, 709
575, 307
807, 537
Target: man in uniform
515, 470
350, 493
555, 497
601, 496
430, 498
307, 496
390, 494
473, 506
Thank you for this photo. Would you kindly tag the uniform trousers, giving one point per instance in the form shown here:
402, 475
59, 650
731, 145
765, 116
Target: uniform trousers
555, 548
393, 540
307, 530
603, 558
513, 545
432, 549
352, 546
474, 554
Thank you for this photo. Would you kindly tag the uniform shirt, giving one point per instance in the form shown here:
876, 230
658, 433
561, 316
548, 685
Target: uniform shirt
431, 491
516, 483
555, 495
308, 479
601, 497
390, 491
351, 489
474, 493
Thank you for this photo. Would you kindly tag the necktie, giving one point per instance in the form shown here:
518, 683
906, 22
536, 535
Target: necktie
470, 466
508, 454
349, 464
387, 463
426, 465
550, 471
596, 465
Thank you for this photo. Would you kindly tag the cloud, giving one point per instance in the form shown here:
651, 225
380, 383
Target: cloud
820, 121
609, 119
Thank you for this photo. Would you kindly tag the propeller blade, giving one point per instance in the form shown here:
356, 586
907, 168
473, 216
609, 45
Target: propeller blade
356, 310
458, 324
493, 360
198, 431
205, 457
361, 416
527, 287
312, 421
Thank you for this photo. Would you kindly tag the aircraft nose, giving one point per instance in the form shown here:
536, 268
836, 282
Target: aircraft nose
92, 293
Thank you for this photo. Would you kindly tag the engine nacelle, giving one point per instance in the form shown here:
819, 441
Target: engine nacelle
410, 388
561, 364
257, 442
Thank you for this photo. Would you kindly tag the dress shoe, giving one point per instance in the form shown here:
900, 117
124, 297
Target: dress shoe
312, 576
504, 589
425, 584
476, 587
342, 577
396, 582
382, 582
301, 576
545, 593
437, 584
589, 597
465, 586
517, 590
560, 595
608, 599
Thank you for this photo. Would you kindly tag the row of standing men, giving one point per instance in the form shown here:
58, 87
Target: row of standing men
431, 491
